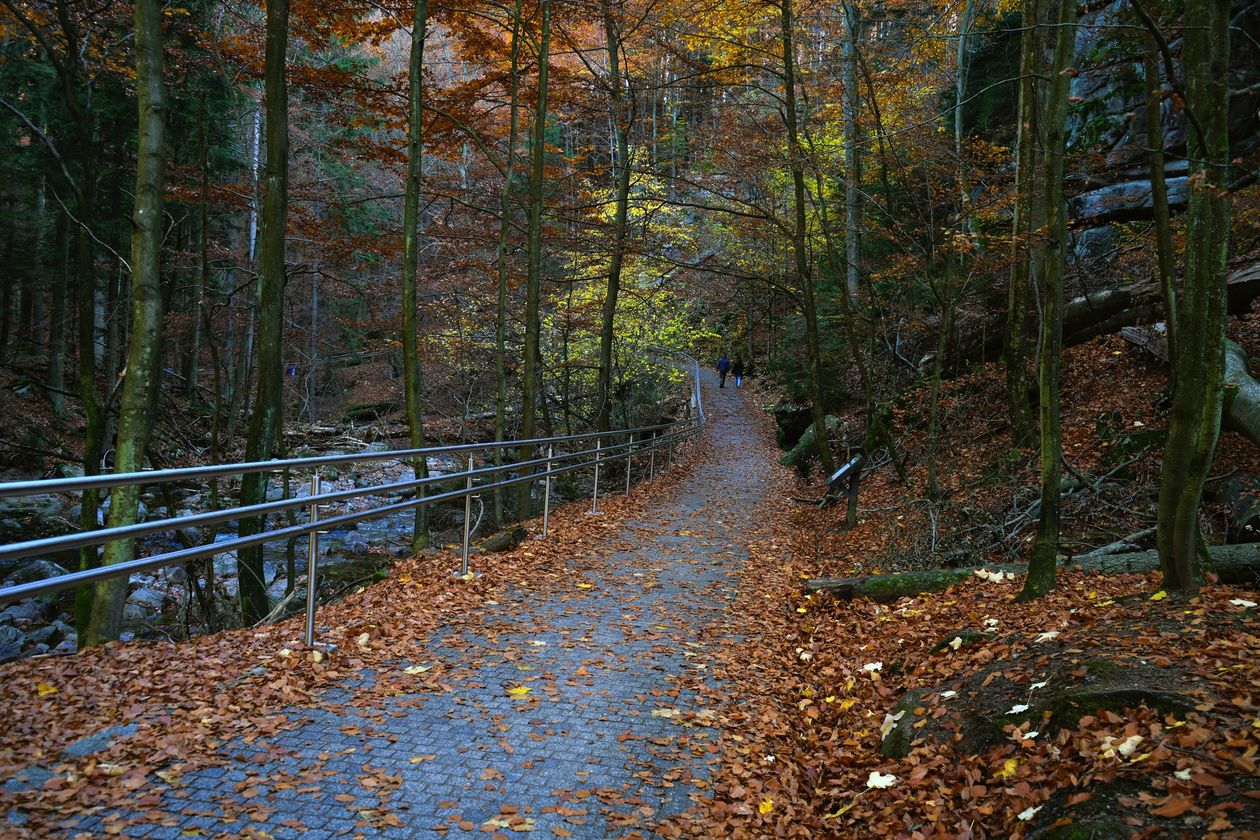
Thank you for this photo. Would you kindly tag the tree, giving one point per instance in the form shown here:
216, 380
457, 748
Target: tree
533, 281
135, 416
1044, 559
413, 379
268, 408
1024, 254
804, 274
1199, 365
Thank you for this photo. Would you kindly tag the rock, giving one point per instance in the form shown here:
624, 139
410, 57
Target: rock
49, 634
135, 613
225, 564
375, 448
30, 611
790, 422
37, 570
66, 646
504, 540
12, 640
1094, 243
126, 636
356, 543
150, 599
1125, 201
68, 471
803, 455
39, 507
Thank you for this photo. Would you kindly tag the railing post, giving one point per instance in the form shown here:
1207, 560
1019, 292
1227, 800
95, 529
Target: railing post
671, 456
312, 555
463, 569
547, 493
652, 462
599, 444
629, 461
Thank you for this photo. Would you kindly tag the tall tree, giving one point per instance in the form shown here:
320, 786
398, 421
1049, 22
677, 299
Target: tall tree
1041, 565
852, 160
800, 234
621, 117
268, 408
533, 279
501, 254
413, 379
1199, 366
1019, 412
140, 383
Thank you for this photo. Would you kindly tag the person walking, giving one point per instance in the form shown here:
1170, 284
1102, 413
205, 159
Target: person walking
737, 371
723, 368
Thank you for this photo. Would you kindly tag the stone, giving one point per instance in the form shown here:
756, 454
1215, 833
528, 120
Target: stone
375, 448
1124, 201
46, 635
356, 543
225, 564
25, 612
37, 570
150, 599
38, 507
66, 646
12, 640
1094, 243
135, 612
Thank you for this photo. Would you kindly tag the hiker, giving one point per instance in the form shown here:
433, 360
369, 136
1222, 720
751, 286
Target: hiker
723, 368
737, 371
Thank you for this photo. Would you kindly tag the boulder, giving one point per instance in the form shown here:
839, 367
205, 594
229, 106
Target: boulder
30, 611
151, 599
1125, 201
39, 569
12, 640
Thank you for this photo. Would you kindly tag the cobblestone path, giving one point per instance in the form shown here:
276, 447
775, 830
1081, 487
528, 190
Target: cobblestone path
607, 741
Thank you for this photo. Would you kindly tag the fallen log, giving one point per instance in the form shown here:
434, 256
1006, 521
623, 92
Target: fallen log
1241, 411
1233, 564
1101, 313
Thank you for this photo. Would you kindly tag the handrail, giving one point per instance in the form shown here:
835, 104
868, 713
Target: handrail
649, 439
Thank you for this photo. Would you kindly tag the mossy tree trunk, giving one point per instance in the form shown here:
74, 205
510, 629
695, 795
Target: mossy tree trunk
413, 379
1199, 365
533, 279
268, 408
1041, 565
800, 244
501, 256
139, 390
1018, 292
621, 113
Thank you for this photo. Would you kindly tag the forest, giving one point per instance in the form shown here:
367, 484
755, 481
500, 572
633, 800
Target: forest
989, 264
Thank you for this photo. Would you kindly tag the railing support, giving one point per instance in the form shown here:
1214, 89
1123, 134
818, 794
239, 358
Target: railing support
463, 568
312, 557
547, 493
670, 466
599, 444
652, 463
629, 462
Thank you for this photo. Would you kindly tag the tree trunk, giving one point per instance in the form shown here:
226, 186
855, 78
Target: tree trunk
852, 166
268, 408
1016, 339
505, 208
800, 245
412, 375
1234, 564
145, 342
1199, 366
1159, 190
1041, 565
621, 113
57, 320
533, 282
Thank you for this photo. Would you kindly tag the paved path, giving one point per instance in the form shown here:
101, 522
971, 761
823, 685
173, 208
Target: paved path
606, 742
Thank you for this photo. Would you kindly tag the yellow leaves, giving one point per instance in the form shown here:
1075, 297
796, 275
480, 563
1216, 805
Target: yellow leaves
45, 690
1009, 768
416, 669
766, 806
847, 704
1159, 596
420, 759
586, 586
519, 691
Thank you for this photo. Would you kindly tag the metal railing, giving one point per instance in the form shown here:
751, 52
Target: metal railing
608, 447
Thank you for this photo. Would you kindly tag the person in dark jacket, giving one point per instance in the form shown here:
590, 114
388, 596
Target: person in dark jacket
723, 368
737, 371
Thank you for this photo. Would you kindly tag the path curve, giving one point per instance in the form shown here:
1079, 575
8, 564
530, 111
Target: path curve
607, 741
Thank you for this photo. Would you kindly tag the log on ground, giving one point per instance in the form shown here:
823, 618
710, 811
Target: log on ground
1232, 564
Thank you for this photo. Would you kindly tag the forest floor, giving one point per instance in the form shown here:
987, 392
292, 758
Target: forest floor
659, 670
